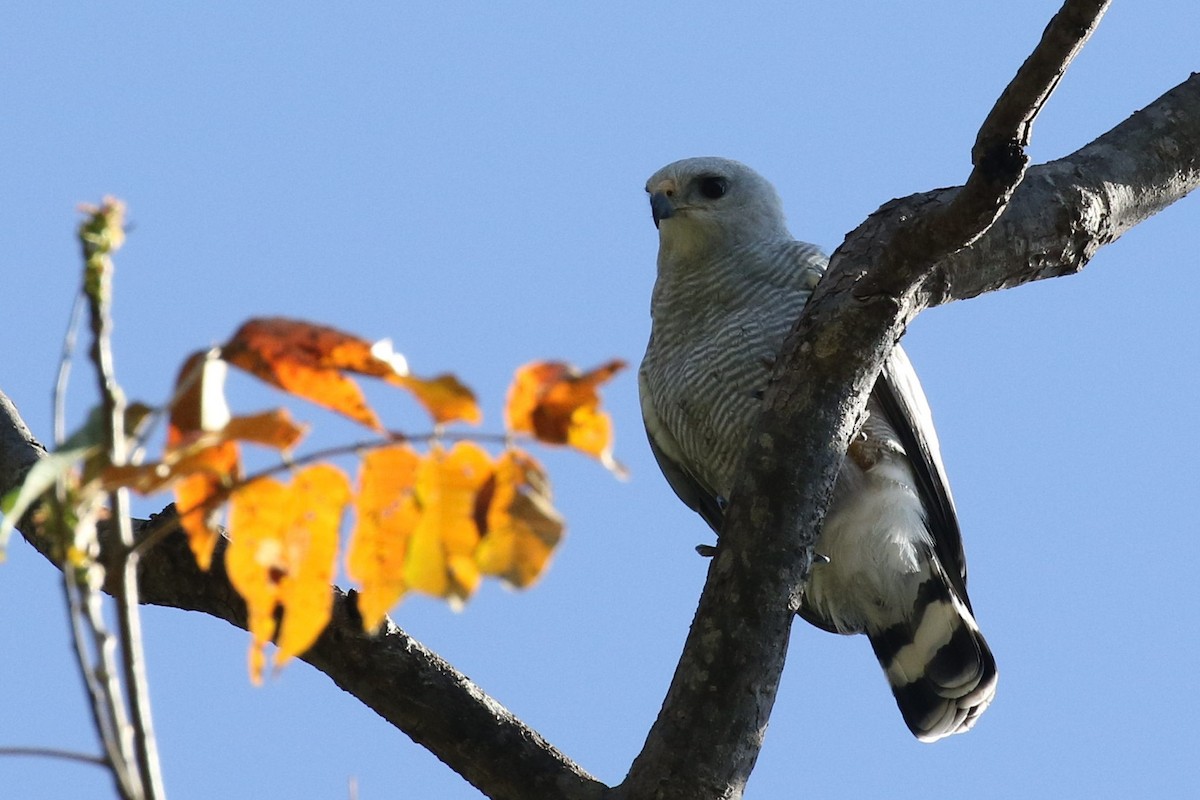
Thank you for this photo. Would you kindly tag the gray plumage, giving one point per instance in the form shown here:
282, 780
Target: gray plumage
731, 282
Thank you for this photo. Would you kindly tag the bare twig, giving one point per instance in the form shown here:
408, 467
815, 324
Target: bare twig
64, 372
107, 710
100, 235
103, 695
54, 752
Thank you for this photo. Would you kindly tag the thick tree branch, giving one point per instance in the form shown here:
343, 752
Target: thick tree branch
709, 732
391, 673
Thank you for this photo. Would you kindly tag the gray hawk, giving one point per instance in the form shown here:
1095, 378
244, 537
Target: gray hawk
731, 282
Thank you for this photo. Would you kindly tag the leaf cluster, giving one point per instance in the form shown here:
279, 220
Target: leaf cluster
436, 519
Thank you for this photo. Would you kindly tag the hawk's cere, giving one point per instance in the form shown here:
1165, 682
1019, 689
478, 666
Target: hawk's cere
731, 282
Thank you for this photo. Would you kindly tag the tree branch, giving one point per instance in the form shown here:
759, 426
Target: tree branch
709, 732
393, 674
998, 159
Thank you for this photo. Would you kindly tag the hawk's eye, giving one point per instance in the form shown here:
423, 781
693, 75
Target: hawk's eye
713, 188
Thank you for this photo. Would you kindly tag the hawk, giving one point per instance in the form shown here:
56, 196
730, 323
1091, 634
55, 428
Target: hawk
731, 282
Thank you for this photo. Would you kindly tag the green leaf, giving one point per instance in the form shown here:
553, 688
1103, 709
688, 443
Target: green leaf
82, 444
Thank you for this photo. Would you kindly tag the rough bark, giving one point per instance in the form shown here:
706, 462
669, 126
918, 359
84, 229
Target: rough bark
713, 720
709, 732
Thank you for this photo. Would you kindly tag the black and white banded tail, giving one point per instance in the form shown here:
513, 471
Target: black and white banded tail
940, 669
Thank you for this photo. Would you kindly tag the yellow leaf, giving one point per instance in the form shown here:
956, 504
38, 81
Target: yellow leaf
440, 559
522, 526
444, 397
590, 431
254, 559
319, 494
386, 512
283, 543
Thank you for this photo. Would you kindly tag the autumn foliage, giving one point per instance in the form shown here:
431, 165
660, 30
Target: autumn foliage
436, 520
435, 514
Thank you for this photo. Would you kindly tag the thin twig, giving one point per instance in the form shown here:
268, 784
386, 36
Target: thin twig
99, 692
64, 371
107, 728
101, 235
373, 444
54, 752
152, 536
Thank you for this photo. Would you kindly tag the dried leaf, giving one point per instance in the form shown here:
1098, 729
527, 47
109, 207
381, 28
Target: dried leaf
191, 453
387, 514
557, 404
522, 526
444, 396
282, 550
440, 558
308, 360
101, 234
273, 428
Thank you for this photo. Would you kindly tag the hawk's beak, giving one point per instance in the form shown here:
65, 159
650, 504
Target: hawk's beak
661, 207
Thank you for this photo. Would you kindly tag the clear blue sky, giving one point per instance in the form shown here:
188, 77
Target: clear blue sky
467, 179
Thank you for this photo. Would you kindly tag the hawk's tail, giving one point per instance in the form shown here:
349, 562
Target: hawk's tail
941, 670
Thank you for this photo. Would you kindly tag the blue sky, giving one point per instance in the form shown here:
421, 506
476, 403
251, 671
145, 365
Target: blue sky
467, 179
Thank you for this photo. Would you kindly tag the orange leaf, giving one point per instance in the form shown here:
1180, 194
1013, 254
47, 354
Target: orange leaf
522, 526
387, 514
199, 495
440, 557
444, 397
307, 360
557, 404
273, 428
282, 549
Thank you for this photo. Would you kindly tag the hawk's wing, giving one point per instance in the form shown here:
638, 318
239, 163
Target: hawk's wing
904, 403
689, 489
694, 493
